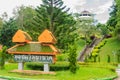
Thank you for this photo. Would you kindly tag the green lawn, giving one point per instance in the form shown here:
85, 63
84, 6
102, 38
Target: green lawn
112, 45
85, 72
80, 45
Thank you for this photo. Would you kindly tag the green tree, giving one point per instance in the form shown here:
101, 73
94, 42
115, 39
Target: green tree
117, 31
24, 17
4, 16
7, 31
114, 20
111, 23
50, 14
53, 15
3, 56
72, 59
103, 29
86, 28
1, 23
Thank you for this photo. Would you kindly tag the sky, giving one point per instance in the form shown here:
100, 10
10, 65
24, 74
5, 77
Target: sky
97, 7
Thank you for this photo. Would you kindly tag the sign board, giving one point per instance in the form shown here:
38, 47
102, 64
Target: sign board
33, 58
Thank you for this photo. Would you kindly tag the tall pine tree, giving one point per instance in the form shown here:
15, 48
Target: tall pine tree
114, 20
117, 30
53, 15
50, 14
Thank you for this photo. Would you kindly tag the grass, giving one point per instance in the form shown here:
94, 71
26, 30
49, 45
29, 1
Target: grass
92, 71
33, 47
80, 45
112, 45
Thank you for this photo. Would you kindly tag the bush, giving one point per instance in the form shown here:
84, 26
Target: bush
95, 51
101, 44
97, 47
117, 32
72, 59
58, 66
3, 56
62, 57
94, 54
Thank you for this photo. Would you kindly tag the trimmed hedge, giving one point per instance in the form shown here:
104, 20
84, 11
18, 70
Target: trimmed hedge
58, 66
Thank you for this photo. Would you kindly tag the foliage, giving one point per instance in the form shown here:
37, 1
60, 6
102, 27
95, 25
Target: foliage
62, 57
72, 59
3, 57
114, 20
108, 58
24, 17
53, 15
95, 52
1, 23
103, 29
117, 32
111, 23
58, 66
86, 28
7, 31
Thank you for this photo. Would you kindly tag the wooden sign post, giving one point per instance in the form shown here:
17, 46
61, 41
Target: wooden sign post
28, 51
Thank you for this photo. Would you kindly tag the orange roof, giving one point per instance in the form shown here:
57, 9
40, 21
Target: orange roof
21, 36
47, 37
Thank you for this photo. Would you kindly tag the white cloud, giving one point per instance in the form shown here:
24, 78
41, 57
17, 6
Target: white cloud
8, 6
99, 7
102, 17
102, 13
79, 5
103, 8
81, 2
71, 4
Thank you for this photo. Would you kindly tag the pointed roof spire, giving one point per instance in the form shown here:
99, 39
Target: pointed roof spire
47, 37
21, 36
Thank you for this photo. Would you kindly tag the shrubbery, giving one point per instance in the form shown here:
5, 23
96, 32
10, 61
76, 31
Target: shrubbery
96, 50
62, 57
72, 59
58, 66
3, 57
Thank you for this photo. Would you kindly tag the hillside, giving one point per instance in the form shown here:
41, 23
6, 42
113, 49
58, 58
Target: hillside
109, 48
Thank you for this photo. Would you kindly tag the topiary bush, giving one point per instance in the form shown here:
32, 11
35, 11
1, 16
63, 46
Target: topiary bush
72, 59
101, 44
95, 50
